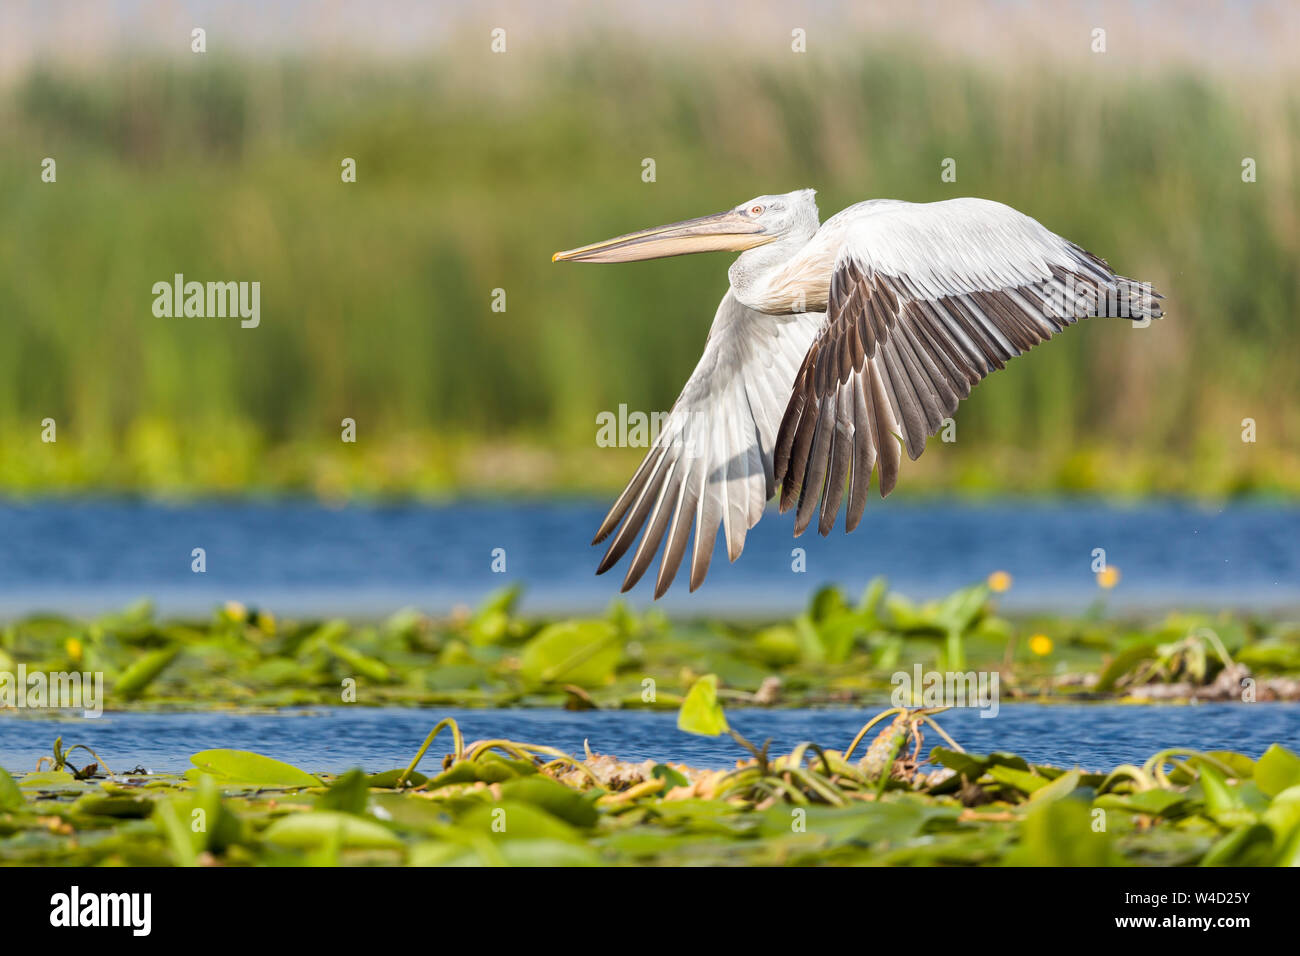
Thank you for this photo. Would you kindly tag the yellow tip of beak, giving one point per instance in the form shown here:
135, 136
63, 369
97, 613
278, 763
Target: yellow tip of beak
555, 258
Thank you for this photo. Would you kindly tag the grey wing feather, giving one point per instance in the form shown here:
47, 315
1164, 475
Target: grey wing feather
924, 301
711, 463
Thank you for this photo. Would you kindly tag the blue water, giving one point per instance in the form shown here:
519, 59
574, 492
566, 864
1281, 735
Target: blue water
1096, 737
303, 558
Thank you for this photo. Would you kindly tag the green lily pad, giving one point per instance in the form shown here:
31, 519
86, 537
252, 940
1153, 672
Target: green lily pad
1123, 662
971, 766
43, 779
11, 797
701, 713
1020, 780
199, 820
1283, 814
132, 808
1061, 833
1277, 770
1150, 802
585, 653
1223, 803
512, 820
489, 768
309, 830
549, 853
1250, 845
137, 678
246, 767
387, 779
671, 777
1062, 786
560, 801
348, 794
893, 820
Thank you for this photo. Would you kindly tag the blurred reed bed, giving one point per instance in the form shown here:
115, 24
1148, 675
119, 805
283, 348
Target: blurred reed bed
376, 297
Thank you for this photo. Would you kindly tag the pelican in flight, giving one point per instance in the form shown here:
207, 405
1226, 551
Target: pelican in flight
837, 345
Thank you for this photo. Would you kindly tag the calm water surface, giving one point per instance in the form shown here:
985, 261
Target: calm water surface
1096, 737
300, 558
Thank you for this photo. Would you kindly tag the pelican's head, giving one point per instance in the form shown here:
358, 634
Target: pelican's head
757, 222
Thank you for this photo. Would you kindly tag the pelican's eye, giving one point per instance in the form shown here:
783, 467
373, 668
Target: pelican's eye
755, 210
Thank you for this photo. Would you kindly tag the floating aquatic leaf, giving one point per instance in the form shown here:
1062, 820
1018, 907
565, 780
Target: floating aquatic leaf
246, 767
1250, 845
701, 713
972, 766
572, 652
210, 822
489, 768
779, 646
671, 777
556, 799
48, 779
1062, 786
347, 794
1277, 770
176, 833
11, 797
1283, 813
305, 830
362, 664
893, 820
1061, 833
136, 808
1243, 768
137, 678
1223, 803
1021, 780
1150, 802
512, 820
508, 853
387, 779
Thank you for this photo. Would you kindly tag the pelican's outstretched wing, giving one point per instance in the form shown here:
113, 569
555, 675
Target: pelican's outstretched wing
924, 301
712, 459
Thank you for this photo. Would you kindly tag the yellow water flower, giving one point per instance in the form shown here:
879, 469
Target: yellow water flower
1040, 644
73, 647
236, 611
999, 581
1108, 577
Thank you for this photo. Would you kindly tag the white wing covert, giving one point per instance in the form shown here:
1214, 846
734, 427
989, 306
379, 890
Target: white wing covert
925, 300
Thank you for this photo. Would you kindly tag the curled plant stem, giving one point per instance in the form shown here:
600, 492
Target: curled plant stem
563, 759
530, 752
60, 758
759, 754
732, 779
821, 752
1131, 772
823, 788
867, 727
1208, 634
643, 789
883, 780
795, 759
458, 747
942, 733
100, 760
479, 748
1155, 765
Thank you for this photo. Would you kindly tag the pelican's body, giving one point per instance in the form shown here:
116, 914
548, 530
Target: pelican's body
833, 341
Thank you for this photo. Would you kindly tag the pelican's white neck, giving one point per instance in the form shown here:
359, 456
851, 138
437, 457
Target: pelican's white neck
766, 278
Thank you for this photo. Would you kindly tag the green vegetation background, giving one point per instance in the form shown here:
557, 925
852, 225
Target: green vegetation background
473, 169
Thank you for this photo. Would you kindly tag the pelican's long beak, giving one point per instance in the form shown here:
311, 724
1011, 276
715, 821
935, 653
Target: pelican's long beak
726, 231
